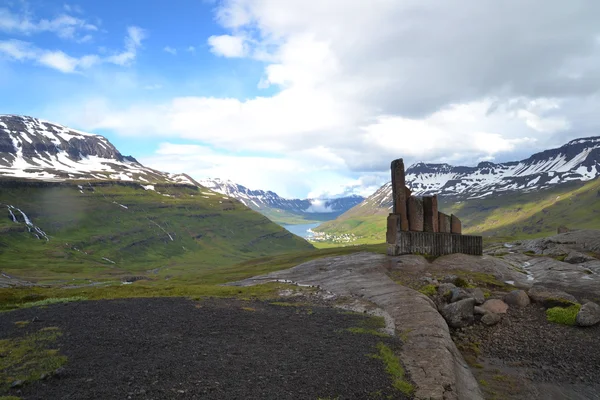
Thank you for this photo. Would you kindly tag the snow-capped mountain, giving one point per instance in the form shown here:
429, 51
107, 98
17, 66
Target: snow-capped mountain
578, 160
36, 149
261, 200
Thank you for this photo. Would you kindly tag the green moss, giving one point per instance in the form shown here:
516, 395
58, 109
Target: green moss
28, 358
394, 369
565, 316
10, 398
429, 290
561, 257
461, 282
483, 382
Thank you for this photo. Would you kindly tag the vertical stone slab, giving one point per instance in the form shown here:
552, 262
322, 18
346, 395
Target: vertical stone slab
455, 224
443, 222
415, 214
408, 192
399, 192
430, 214
393, 223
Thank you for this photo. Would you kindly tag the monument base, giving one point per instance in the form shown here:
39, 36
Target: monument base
435, 244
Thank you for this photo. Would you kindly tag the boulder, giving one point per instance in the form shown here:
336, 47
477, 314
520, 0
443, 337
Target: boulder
576, 257
495, 306
459, 314
458, 294
517, 298
478, 295
445, 289
589, 314
562, 229
491, 319
550, 297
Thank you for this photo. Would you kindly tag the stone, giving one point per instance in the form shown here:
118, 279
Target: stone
478, 295
445, 289
575, 257
588, 315
495, 306
399, 192
459, 314
457, 294
415, 214
550, 297
477, 310
443, 223
562, 229
408, 192
393, 224
517, 298
455, 225
490, 319
430, 214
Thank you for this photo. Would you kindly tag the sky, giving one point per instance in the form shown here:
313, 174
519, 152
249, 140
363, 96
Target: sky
308, 98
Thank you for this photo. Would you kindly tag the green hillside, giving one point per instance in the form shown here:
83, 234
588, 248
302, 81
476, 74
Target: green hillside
523, 215
107, 230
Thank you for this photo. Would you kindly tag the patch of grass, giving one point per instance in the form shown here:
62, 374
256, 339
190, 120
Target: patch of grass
28, 358
53, 300
22, 324
561, 257
394, 369
484, 383
249, 309
429, 290
565, 316
367, 331
10, 398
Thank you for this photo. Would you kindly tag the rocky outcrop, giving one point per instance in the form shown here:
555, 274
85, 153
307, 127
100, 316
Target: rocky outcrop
428, 353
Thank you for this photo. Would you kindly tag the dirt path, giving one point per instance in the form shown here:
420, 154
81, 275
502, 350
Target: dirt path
172, 348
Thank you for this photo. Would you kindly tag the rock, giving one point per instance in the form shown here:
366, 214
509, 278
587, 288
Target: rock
415, 214
457, 294
550, 297
17, 384
478, 295
479, 310
576, 257
491, 319
562, 229
589, 314
495, 306
455, 224
443, 222
459, 314
445, 289
449, 279
517, 298
430, 214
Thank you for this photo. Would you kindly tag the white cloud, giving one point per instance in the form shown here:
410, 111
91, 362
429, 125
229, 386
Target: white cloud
18, 50
191, 49
227, 46
359, 84
170, 50
64, 26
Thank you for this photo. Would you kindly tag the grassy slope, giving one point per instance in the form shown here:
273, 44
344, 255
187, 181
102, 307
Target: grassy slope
524, 215
207, 232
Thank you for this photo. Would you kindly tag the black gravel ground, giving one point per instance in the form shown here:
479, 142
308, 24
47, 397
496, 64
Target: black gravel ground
173, 348
537, 359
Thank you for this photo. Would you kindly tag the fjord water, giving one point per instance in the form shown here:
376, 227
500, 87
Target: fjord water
302, 230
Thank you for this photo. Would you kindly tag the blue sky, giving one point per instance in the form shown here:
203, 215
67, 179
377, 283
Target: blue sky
306, 98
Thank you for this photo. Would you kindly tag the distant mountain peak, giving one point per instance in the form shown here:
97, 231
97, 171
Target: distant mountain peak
37, 149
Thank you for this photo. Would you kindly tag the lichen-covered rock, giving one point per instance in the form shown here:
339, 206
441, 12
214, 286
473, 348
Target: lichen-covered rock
491, 319
589, 314
459, 314
576, 257
445, 290
517, 298
551, 297
495, 306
